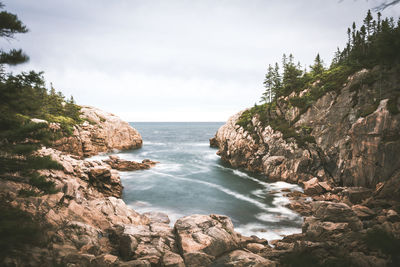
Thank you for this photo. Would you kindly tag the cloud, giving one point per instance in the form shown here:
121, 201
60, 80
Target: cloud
175, 60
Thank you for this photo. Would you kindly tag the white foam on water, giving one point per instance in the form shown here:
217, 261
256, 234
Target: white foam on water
98, 157
283, 185
154, 143
291, 215
212, 157
196, 144
269, 217
220, 188
259, 193
139, 204
269, 233
248, 177
167, 167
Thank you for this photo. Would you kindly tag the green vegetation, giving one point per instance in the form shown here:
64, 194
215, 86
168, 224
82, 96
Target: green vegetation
375, 43
24, 97
17, 229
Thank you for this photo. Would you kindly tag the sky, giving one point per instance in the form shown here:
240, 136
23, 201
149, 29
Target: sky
176, 60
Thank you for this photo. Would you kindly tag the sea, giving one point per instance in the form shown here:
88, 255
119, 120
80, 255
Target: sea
190, 178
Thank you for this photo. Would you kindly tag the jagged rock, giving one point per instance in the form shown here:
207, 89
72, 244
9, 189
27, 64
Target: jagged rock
357, 194
348, 149
213, 142
101, 132
171, 259
364, 213
126, 165
212, 235
359, 259
240, 258
393, 216
312, 187
157, 217
336, 212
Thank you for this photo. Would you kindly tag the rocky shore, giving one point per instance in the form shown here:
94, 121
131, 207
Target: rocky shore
350, 204
100, 132
86, 223
349, 169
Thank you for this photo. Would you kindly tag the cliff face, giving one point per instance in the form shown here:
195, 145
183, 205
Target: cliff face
357, 138
100, 132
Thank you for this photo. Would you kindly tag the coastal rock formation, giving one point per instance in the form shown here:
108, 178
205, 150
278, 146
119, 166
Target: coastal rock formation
348, 144
87, 224
100, 132
343, 150
126, 165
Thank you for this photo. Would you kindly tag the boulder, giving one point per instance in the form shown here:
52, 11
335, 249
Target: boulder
336, 212
312, 187
241, 258
212, 235
357, 194
363, 212
100, 132
126, 165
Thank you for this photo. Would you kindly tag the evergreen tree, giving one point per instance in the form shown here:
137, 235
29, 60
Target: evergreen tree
318, 67
291, 76
9, 26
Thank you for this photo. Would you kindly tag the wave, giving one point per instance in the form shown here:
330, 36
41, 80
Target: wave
168, 167
154, 143
220, 188
268, 233
246, 176
196, 144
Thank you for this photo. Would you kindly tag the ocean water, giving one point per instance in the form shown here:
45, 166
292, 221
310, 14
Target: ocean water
192, 179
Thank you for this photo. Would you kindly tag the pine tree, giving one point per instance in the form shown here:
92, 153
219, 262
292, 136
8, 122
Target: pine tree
318, 67
21, 97
9, 26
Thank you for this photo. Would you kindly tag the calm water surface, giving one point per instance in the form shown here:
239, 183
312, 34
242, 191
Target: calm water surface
191, 179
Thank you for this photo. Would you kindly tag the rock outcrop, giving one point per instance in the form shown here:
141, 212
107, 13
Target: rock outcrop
100, 132
351, 148
87, 224
126, 165
348, 167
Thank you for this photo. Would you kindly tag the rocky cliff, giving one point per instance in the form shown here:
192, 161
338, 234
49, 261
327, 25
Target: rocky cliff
353, 136
100, 132
343, 149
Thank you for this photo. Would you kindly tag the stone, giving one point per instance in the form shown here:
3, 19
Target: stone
363, 212
240, 258
155, 216
312, 187
171, 259
101, 132
198, 259
392, 216
212, 234
255, 247
357, 194
127, 246
126, 165
336, 212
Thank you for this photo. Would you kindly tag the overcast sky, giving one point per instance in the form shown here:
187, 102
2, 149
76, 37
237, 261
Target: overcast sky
176, 60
